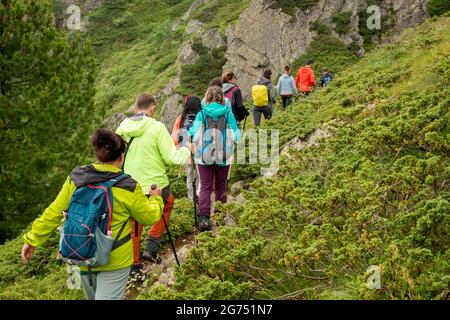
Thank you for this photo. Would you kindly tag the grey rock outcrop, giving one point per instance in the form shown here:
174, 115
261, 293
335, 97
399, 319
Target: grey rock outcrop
197, 4
212, 39
270, 38
187, 54
194, 26
171, 110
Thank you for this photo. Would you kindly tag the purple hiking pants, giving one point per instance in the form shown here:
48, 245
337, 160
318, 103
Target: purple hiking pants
212, 178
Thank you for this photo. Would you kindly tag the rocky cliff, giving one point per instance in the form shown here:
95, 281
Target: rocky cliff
267, 37
270, 34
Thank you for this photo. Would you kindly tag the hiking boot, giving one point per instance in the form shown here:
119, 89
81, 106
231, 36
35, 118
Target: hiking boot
151, 249
205, 224
136, 269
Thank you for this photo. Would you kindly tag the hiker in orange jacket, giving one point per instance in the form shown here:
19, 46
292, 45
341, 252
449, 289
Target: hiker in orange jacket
305, 78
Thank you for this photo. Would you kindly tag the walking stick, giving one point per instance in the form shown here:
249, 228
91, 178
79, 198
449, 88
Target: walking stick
194, 188
178, 181
154, 186
245, 122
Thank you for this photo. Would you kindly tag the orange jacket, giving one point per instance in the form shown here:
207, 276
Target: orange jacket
176, 130
305, 76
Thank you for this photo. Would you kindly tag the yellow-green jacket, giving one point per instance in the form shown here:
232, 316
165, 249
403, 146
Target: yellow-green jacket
129, 202
151, 150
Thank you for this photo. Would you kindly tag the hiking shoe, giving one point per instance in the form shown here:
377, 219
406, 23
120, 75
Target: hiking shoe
151, 249
205, 224
136, 269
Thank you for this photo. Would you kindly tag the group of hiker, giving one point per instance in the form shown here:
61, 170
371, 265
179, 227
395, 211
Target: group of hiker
105, 205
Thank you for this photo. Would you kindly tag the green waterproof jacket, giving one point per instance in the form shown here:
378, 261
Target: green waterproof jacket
152, 148
129, 202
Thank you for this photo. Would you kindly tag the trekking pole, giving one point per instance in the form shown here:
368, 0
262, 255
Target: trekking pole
245, 122
153, 187
178, 180
194, 188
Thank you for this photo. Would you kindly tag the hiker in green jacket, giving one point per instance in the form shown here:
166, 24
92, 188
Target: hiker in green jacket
151, 148
109, 281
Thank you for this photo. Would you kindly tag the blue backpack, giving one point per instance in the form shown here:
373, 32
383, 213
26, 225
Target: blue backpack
86, 235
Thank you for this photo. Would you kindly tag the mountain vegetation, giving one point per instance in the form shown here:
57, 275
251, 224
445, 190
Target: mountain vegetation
374, 191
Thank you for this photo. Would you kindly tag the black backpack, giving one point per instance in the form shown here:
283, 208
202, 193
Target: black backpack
183, 134
188, 121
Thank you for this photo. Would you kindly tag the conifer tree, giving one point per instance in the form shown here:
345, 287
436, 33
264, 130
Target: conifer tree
46, 109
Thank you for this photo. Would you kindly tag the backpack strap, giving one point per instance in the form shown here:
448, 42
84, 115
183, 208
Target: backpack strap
125, 157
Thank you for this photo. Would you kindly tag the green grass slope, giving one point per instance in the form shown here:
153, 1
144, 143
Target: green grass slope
377, 193
136, 47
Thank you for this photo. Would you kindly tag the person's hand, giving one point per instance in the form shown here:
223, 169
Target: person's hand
191, 147
155, 192
27, 252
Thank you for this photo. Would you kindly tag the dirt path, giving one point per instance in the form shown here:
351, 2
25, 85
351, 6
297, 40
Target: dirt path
161, 273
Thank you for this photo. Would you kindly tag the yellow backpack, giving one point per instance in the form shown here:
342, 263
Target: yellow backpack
260, 95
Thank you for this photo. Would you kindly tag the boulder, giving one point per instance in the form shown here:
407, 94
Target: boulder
115, 120
212, 39
229, 221
171, 110
237, 187
193, 26
187, 54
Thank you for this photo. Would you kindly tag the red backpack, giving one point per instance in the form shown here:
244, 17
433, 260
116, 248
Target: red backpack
229, 94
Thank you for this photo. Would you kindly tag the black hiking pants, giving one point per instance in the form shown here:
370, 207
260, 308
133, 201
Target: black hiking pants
259, 111
286, 101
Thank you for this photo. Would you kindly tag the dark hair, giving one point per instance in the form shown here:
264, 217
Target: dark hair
216, 82
108, 145
228, 76
267, 74
287, 69
192, 105
309, 62
144, 101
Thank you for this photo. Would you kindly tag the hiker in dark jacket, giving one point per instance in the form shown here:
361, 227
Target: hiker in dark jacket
266, 111
326, 78
233, 93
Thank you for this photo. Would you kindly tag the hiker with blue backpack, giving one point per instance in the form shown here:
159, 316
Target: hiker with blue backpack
97, 203
181, 137
286, 88
214, 132
326, 78
234, 95
151, 149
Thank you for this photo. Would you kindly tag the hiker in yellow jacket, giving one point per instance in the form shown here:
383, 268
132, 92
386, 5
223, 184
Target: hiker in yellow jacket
109, 281
151, 148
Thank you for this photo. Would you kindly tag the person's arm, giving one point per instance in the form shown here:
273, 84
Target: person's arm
311, 79
146, 211
233, 124
272, 93
48, 222
242, 111
176, 130
297, 79
279, 87
294, 88
168, 151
